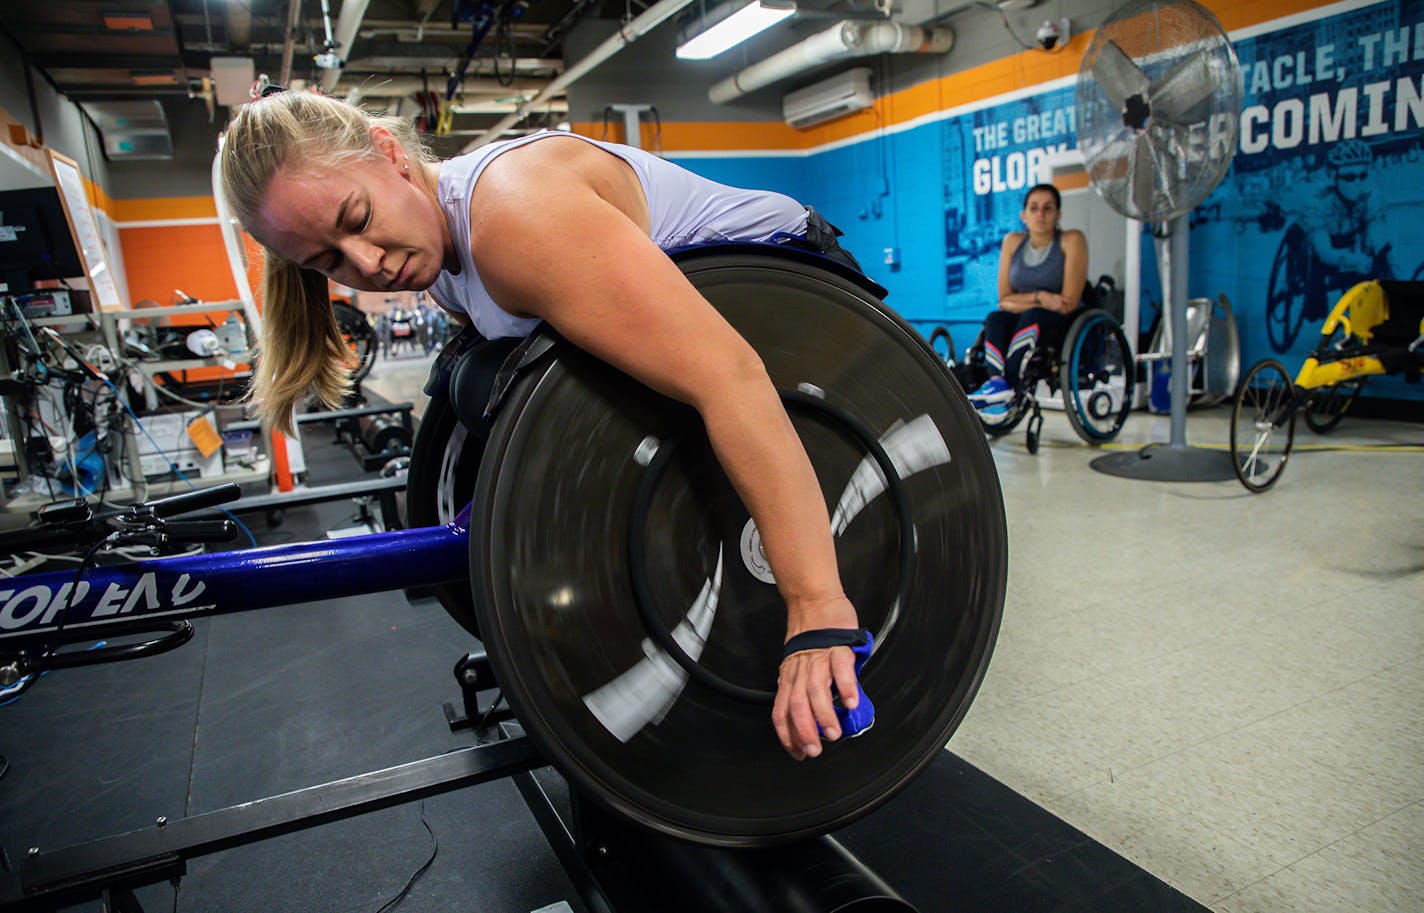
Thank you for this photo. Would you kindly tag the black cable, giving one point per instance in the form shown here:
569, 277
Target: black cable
434, 851
69, 600
4, 766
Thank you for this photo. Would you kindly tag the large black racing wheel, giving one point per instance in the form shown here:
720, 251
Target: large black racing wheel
1096, 376
597, 495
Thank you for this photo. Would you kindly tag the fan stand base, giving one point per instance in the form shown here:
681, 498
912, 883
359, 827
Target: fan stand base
1168, 463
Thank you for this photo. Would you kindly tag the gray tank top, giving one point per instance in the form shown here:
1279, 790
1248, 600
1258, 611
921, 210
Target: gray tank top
684, 209
1044, 276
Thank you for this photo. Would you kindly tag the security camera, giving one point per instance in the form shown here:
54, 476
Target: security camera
1048, 35
1052, 34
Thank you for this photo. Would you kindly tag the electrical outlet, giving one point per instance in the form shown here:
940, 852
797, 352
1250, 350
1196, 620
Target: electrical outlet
892, 256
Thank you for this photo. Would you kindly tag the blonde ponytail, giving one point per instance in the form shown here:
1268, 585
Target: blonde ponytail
301, 346
301, 349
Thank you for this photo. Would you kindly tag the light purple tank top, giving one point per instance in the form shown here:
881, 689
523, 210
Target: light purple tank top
684, 209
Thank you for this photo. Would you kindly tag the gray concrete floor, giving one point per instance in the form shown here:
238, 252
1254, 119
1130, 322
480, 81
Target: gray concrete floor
1223, 687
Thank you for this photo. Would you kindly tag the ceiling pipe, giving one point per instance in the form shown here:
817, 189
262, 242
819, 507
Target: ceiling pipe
627, 34
398, 86
347, 25
842, 41
294, 10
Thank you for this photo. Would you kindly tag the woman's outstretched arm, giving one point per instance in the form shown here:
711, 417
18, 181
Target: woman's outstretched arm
560, 233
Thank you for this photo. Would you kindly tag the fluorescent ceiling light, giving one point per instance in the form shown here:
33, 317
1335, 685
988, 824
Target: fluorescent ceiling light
734, 29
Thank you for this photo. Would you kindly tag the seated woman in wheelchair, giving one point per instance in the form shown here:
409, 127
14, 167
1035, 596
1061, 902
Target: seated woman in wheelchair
1042, 273
557, 228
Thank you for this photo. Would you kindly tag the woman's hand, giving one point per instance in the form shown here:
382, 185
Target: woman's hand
803, 691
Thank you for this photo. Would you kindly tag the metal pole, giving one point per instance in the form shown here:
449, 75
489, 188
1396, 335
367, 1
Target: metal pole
1174, 286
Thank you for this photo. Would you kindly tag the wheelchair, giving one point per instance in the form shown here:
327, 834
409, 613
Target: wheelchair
1377, 327
1091, 366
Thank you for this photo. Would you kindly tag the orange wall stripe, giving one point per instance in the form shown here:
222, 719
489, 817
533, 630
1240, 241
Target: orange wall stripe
1019, 71
153, 209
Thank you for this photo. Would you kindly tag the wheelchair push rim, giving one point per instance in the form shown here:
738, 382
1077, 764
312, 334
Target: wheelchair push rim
552, 533
1096, 377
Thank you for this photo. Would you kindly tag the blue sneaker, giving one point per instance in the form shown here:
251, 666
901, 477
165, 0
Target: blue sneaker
993, 396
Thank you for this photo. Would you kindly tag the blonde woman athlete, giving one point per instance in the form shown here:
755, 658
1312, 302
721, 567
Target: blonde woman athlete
551, 228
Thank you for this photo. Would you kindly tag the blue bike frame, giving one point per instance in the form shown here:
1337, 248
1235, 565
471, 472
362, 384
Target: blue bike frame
127, 597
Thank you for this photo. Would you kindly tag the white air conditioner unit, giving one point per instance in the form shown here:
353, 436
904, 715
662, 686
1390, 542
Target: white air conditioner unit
829, 99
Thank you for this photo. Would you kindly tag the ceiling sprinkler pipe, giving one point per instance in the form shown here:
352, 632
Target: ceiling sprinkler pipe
627, 33
371, 86
842, 41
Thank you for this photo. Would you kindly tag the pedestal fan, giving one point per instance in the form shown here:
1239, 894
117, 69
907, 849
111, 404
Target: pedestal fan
1158, 104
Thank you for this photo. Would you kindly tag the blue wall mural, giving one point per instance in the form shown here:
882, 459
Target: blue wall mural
1324, 189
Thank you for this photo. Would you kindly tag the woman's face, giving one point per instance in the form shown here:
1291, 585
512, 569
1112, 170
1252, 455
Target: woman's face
367, 224
1040, 213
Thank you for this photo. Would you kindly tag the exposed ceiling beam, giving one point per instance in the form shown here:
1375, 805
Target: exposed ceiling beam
104, 62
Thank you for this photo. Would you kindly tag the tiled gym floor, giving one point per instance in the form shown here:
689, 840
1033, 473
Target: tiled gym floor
1223, 687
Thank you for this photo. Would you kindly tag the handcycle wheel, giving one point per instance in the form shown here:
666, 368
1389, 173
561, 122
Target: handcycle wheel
443, 466
1262, 425
553, 533
1327, 407
1096, 376
1287, 289
360, 338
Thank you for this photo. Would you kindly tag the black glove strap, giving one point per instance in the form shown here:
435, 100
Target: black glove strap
822, 638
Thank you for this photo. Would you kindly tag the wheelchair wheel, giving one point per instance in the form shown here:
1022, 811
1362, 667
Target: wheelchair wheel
943, 344
439, 484
1096, 376
1287, 290
359, 337
1262, 425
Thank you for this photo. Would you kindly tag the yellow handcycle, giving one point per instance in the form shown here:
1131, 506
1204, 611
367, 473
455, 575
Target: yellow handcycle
1377, 327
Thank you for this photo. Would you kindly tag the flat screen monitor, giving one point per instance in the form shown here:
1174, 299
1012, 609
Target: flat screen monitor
35, 242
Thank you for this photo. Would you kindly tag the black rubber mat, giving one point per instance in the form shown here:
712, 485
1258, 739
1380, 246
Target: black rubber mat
958, 840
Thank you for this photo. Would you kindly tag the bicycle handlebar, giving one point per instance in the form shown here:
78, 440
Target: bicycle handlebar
195, 500
200, 530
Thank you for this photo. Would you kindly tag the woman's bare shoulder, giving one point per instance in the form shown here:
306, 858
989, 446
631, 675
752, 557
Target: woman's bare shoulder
1013, 239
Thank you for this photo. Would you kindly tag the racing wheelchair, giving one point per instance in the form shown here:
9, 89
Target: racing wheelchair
1377, 327
619, 588
1092, 366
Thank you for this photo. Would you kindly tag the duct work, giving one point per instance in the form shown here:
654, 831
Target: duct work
843, 41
